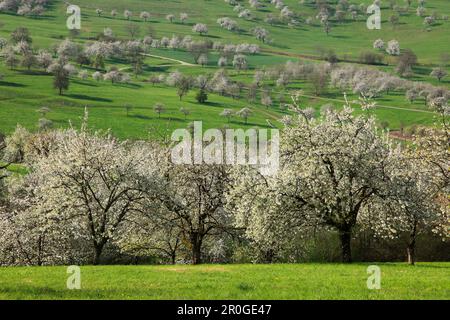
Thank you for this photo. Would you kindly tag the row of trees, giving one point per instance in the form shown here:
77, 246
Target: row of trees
31, 8
361, 81
95, 53
368, 82
87, 194
144, 15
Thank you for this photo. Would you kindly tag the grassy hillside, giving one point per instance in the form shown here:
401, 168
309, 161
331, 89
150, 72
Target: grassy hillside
22, 92
349, 37
306, 281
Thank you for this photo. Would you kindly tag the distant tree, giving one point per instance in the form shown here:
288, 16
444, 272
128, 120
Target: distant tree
227, 113
203, 60
24, 10
240, 62
244, 113
44, 124
133, 30
185, 112
61, 74
3, 43
99, 12
128, 14
202, 82
155, 80
406, 61
252, 92
228, 24
200, 28
183, 86
318, 78
261, 34
378, 44
83, 75
113, 75
10, 58
411, 95
43, 111
97, 76
68, 49
255, 4
439, 73
326, 26
420, 11
201, 96
82, 59
429, 21
28, 60
394, 20
145, 16
113, 13
369, 57
159, 108
393, 48
134, 50
270, 19
245, 14
340, 15
266, 100
21, 34
286, 14
184, 17
170, 18
223, 62
258, 78
97, 52
44, 59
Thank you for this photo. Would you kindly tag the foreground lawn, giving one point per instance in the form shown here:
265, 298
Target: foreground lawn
303, 281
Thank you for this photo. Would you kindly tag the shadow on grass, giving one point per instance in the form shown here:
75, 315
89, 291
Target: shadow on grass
85, 97
12, 84
140, 116
210, 104
85, 83
33, 72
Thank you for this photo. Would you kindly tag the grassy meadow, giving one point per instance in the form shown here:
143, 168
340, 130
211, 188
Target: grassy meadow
261, 282
23, 91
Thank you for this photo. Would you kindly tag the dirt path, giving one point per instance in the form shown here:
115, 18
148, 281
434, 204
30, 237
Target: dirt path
181, 62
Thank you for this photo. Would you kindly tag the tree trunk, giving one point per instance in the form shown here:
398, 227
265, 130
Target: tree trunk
346, 236
411, 249
173, 258
39, 259
98, 249
196, 242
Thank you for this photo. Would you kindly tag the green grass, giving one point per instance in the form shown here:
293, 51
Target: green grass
291, 281
347, 38
25, 93
22, 92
